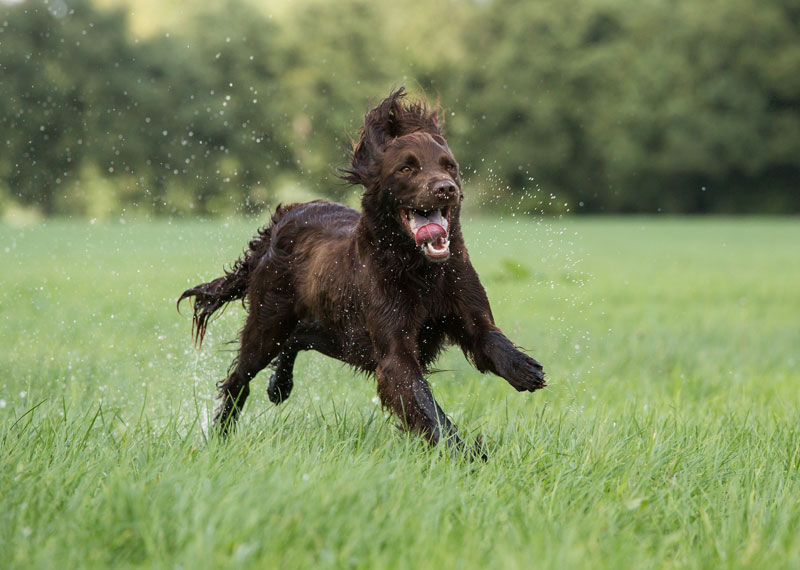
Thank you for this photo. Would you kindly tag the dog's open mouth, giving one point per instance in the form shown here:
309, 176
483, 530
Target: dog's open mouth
429, 230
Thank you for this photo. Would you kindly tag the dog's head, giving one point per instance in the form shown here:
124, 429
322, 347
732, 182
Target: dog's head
412, 186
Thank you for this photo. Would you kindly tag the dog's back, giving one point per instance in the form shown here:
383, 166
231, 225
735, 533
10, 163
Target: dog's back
295, 225
313, 251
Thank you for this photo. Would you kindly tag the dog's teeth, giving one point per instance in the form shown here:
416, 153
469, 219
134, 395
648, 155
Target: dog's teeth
437, 250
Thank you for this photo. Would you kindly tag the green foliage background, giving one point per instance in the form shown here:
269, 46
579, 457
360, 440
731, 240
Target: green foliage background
585, 105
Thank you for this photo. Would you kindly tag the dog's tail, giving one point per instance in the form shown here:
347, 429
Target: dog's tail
215, 295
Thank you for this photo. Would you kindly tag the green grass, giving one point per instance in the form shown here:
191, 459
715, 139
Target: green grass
668, 438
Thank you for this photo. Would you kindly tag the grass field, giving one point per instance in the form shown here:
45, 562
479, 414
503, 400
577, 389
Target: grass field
668, 437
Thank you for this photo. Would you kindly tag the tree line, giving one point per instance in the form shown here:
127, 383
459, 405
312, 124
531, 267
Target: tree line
586, 106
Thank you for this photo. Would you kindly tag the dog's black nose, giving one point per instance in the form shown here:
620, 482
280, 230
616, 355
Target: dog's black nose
445, 189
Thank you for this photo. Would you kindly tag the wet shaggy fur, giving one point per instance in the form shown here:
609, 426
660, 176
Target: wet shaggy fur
368, 288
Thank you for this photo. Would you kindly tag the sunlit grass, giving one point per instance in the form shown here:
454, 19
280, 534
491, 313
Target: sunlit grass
667, 438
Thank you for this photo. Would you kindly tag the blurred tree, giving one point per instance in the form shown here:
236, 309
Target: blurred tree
222, 136
630, 106
591, 105
59, 84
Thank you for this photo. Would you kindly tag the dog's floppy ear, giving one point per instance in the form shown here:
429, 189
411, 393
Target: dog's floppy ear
391, 118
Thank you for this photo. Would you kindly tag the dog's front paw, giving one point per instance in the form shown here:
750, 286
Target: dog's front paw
470, 452
525, 373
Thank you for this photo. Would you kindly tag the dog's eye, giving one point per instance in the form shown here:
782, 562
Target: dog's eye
451, 166
405, 170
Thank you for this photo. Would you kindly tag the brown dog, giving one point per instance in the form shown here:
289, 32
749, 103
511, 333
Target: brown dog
384, 289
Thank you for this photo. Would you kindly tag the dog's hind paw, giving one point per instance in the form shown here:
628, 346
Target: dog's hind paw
478, 450
279, 388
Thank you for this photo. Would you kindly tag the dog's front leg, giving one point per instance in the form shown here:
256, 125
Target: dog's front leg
403, 389
493, 352
483, 342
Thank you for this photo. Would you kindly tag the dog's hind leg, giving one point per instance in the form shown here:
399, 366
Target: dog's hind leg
281, 381
261, 340
308, 335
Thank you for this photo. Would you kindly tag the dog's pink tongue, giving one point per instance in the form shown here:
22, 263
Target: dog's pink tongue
430, 233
